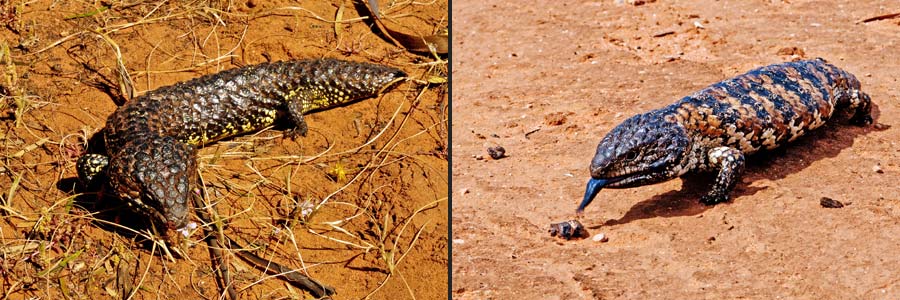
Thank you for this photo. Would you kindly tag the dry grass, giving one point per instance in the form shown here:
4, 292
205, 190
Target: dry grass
361, 203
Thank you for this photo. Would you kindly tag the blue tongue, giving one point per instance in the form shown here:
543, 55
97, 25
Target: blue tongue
593, 187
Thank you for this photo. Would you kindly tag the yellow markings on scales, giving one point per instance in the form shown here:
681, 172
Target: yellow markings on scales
193, 139
319, 96
267, 118
290, 95
231, 129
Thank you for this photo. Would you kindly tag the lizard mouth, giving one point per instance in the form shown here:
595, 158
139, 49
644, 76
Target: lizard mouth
624, 181
594, 185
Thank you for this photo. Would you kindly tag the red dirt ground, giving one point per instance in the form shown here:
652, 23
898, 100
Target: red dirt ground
382, 235
568, 72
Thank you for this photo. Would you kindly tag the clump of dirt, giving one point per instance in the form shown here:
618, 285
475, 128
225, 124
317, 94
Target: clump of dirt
519, 65
360, 203
557, 118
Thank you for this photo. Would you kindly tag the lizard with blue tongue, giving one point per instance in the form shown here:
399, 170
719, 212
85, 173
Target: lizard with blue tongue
713, 129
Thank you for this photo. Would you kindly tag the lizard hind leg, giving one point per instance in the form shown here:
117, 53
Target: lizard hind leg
296, 110
730, 163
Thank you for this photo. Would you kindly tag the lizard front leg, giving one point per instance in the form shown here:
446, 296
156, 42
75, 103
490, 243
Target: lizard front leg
863, 105
730, 163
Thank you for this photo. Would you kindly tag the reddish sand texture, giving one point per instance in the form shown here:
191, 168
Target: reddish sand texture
381, 163
548, 80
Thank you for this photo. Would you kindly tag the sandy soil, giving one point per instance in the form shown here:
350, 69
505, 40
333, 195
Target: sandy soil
380, 163
547, 81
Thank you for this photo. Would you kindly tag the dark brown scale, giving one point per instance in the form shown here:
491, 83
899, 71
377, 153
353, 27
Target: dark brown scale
150, 141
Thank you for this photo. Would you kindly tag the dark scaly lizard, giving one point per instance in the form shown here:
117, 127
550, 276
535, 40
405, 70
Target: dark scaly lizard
150, 142
714, 128
148, 157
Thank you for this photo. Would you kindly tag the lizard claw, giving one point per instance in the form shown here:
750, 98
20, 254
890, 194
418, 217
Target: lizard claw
299, 131
713, 199
861, 120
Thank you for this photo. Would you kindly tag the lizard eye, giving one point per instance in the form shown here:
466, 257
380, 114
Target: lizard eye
631, 156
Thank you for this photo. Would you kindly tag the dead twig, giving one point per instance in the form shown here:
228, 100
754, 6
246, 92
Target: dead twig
879, 18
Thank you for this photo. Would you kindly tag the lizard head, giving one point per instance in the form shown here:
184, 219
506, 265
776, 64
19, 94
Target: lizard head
155, 176
645, 149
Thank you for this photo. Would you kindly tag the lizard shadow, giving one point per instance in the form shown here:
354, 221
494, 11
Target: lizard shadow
108, 213
96, 79
825, 142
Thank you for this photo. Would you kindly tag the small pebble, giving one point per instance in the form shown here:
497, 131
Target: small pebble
877, 169
568, 230
600, 238
830, 203
464, 191
496, 152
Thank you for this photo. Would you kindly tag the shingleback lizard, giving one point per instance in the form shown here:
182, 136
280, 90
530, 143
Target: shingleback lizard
714, 128
149, 158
